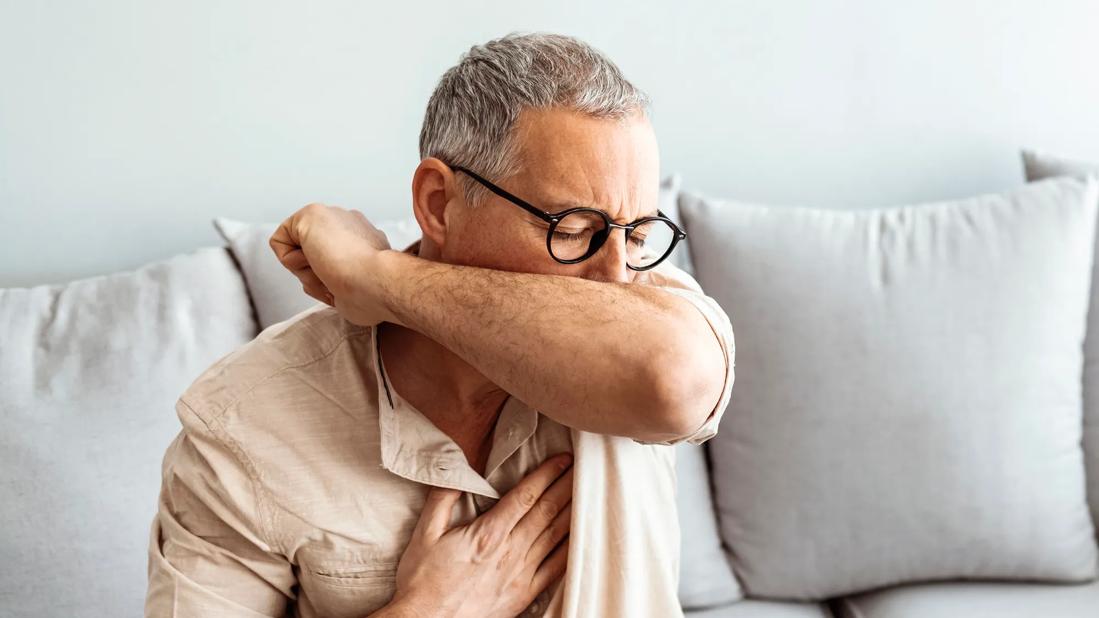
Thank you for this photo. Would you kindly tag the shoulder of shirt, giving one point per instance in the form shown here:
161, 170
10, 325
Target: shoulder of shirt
296, 342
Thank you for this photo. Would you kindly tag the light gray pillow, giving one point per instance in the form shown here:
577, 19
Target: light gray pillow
276, 292
1039, 166
89, 375
669, 205
909, 405
705, 577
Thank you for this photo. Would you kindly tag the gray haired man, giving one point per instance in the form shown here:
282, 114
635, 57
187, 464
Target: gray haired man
404, 449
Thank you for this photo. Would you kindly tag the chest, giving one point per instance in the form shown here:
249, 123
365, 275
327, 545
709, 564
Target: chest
345, 526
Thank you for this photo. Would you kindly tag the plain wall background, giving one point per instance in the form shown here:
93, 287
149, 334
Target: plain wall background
125, 126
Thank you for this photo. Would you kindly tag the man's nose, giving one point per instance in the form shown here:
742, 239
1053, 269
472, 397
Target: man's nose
609, 263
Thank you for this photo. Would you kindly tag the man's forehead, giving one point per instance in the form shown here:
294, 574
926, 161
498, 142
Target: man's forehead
571, 160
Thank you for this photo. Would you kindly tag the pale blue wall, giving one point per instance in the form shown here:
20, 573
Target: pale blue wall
125, 126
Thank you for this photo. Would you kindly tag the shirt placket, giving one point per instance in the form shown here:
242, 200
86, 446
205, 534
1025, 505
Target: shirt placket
412, 447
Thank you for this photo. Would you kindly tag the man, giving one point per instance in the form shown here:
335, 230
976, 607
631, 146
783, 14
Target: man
404, 451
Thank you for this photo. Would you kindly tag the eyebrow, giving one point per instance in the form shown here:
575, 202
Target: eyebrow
562, 206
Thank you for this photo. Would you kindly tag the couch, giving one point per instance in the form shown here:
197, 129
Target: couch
874, 462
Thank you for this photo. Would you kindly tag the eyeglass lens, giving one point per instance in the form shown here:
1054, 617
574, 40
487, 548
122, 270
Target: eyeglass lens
572, 238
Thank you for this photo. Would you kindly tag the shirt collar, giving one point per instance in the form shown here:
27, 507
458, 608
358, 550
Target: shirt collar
414, 448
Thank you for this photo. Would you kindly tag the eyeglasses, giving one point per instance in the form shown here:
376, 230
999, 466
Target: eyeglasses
578, 233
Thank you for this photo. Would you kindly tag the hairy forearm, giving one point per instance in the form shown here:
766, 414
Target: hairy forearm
609, 358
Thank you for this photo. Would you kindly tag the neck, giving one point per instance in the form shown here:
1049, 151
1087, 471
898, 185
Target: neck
451, 393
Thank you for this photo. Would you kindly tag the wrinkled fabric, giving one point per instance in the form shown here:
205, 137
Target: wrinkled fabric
300, 474
89, 371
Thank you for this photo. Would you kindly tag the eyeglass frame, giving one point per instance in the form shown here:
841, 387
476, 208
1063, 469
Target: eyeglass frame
554, 218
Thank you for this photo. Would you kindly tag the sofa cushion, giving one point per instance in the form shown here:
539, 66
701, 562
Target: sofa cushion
89, 375
975, 600
705, 577
751, 608
669, 205
909, 407
1039, 166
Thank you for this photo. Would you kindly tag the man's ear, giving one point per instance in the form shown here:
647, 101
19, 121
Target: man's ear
433, 188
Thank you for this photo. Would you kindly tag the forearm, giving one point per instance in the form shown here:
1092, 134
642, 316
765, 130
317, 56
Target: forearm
609, 358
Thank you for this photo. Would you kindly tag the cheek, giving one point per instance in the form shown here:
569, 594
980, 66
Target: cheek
501, 245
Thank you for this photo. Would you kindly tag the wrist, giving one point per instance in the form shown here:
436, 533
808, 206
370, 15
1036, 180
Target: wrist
383, 271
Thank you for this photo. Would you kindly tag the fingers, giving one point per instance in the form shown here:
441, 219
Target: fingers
313, 286
545, 511
553, 534
286, 244
435, 517
285, 239
552, 568
516, 503
292, 259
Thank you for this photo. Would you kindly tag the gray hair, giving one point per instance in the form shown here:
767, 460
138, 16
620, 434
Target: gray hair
474, 108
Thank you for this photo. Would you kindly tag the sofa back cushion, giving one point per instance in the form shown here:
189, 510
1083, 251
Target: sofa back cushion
89, 375
1040, 166
705, 577
908, 399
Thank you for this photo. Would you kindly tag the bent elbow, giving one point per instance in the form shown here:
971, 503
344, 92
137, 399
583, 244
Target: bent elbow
688, 393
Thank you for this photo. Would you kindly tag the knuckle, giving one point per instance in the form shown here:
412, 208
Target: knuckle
485, 541
546, 509
316, 208
526, 497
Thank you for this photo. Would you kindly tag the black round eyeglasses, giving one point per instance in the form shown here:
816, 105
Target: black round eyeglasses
576, 234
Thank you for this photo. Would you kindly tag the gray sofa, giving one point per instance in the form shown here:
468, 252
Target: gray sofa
792, 511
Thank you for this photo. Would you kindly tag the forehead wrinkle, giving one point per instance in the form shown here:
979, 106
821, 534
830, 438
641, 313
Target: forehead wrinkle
556, 205
560, 170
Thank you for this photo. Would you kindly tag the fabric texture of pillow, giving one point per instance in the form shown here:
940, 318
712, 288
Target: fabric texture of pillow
1040, 165
669, 205
276, 292
705, 577
89, 375
909, 407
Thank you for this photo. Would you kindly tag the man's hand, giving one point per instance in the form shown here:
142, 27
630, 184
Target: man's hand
330, 249
497, 564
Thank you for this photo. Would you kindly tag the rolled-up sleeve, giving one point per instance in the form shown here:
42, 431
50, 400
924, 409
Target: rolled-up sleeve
208, 551
674, 280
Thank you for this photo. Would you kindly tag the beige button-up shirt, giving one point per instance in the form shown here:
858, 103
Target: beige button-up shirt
300, 474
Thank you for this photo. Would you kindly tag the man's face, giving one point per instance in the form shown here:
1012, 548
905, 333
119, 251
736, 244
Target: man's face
567, 160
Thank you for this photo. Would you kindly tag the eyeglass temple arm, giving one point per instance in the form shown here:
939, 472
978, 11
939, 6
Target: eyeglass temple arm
534, 210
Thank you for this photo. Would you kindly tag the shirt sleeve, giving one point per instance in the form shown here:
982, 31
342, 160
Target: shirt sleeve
208, 555
672, 279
